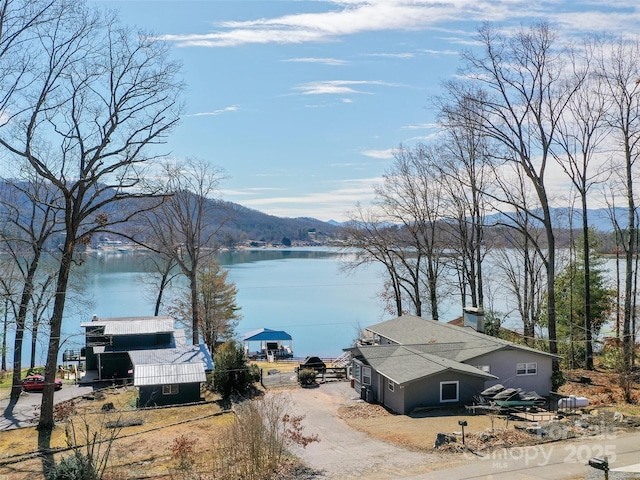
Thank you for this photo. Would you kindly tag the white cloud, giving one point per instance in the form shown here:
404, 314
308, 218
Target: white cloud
324, 61
353, 17
331, 204
390, 55
440, 52
249, 191
379, 154
421, 126
232, 108
347, 100
340, 87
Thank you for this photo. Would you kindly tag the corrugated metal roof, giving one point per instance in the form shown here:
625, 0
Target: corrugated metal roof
134, 326
163, 374
179, 337
126, 324
178, 355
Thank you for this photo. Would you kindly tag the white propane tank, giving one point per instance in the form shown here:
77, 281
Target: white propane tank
573, 402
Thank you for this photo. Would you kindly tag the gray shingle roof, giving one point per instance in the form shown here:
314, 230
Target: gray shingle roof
449, 341
405, 364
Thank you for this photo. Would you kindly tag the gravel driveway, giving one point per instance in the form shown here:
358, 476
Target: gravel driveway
345, 453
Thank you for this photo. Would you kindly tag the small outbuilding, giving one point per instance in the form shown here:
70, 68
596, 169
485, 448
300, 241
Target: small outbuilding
149, 352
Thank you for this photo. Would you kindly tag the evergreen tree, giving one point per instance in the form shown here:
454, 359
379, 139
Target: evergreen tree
570, 309
232, 374
219, 314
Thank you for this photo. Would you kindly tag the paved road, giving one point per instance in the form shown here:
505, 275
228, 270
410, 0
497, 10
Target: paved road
27, 409
554, 461
344, 453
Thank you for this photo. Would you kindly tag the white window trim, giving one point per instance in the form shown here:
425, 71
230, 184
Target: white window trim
364, 375
170, 389
526, 367
457, 384
391, 385
357, 369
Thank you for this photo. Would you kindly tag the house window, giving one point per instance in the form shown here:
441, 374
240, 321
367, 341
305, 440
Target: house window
366, 375
449, 391
356, 371
391, 385
526, 368
171, 389
484, 368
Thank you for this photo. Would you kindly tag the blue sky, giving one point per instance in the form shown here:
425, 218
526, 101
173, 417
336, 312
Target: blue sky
302, 102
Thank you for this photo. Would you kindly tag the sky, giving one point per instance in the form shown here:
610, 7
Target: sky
303, 102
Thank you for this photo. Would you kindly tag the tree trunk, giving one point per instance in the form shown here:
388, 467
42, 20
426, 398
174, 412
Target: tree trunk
46, 422
587, 285
193, 283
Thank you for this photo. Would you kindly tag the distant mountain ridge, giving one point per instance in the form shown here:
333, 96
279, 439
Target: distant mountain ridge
248, 224
234, 223
599, 218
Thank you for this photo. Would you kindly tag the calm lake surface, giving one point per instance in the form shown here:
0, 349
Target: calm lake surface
301, 291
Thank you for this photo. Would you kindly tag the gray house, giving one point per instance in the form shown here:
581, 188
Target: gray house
411, 362
149, 352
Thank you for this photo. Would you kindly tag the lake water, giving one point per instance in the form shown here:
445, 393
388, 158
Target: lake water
301, 291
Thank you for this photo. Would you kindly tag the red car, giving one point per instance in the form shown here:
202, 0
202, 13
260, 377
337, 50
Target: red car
35, 383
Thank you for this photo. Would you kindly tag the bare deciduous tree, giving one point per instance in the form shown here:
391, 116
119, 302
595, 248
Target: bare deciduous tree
527, 85
31, 217
618, 67
95, 98
581, 132
183, 229
466, 167
412, 196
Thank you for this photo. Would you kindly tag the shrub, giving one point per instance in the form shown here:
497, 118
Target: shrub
254, 446
74, 467
557, 380
231, 373
183, 453
307, 376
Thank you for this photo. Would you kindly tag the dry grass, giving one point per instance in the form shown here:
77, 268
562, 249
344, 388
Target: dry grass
284, 367
604, 389
141, 451
417, 432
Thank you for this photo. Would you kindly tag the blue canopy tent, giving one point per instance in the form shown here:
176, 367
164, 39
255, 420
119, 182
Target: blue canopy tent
272, 344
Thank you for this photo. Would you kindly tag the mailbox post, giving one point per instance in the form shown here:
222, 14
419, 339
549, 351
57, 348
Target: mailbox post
462, 423
600, 464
